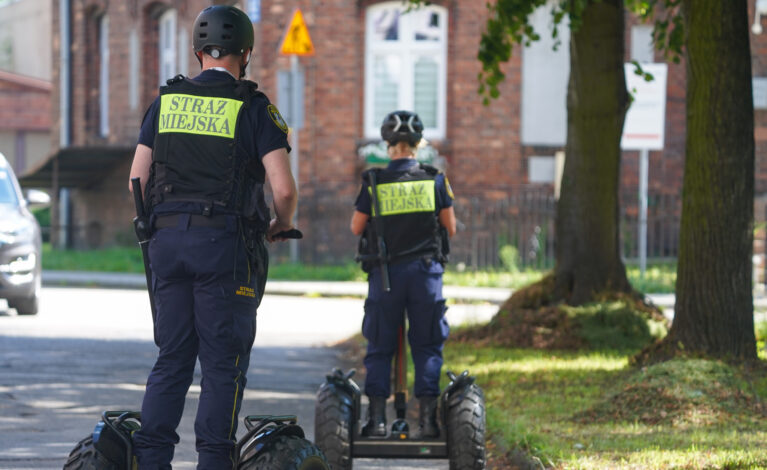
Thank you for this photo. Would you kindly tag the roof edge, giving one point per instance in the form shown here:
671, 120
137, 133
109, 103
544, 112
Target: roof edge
25, 80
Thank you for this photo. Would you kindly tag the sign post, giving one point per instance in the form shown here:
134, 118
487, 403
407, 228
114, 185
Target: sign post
296, 42
643, 130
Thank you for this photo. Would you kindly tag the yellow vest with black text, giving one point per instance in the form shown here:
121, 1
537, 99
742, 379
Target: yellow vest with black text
196, 158
409, 213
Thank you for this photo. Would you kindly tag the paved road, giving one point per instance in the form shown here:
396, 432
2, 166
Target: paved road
91, 349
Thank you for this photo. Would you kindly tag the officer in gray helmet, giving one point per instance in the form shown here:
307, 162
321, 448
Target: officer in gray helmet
417, 217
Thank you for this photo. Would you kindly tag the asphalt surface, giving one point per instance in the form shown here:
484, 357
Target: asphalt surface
90, 349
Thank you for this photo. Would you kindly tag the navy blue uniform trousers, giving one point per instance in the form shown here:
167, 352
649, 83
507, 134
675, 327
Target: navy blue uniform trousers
206, 295
416, 287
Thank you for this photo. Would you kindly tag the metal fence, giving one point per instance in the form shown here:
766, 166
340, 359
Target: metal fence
517, 230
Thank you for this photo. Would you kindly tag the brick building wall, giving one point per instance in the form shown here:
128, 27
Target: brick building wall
25, 120
101, 210
334, 96
482, 144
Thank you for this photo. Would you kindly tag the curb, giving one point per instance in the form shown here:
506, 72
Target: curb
317, 288
459, 294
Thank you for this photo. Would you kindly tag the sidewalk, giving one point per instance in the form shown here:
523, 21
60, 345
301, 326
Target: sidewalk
458, 294
323, 288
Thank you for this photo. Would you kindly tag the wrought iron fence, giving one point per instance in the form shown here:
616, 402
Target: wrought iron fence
516, 231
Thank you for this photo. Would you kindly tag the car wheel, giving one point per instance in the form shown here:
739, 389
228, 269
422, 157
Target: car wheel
25, 306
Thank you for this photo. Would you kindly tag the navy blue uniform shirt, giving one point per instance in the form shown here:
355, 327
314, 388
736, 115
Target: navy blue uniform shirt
443, 196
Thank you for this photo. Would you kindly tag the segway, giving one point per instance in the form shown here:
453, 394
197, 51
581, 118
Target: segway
270, 443
461, 412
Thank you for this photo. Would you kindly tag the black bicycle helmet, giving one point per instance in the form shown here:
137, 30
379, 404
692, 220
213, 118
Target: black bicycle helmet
223, 28
402, 126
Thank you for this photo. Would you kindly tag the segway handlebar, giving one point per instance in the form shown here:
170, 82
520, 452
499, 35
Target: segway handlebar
286, 234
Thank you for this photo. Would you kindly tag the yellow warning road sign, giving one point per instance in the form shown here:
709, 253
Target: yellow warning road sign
297, 40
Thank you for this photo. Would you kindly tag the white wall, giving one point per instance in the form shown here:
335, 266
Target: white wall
25, 37
544, 84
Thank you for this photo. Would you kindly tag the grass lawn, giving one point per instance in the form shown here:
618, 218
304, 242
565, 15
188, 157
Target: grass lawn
587, 410
591, 410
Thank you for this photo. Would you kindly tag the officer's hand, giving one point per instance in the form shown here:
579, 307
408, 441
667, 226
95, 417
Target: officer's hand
275, 227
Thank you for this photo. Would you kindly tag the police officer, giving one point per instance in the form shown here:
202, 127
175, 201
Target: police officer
417, 215
205, 147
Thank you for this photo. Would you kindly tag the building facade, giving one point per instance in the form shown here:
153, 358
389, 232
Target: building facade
370, 57
25, 87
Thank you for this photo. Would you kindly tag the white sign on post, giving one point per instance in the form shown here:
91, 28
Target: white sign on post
643, 130
646, 118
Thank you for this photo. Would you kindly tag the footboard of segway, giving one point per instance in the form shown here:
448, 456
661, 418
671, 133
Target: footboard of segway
369, 448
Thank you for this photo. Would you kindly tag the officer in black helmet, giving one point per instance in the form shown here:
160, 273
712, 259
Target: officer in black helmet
206, 146
416, 206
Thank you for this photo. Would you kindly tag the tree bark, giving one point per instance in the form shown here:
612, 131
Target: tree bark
714, 304
588, 260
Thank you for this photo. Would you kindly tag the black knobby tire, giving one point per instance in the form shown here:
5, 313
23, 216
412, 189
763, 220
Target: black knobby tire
28, 306
287, 453
85, 457
333, 415
466, 429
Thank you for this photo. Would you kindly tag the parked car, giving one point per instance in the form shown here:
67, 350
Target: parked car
20, 243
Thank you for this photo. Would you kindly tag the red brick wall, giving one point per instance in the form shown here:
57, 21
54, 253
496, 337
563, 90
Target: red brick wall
335, 87
24, 107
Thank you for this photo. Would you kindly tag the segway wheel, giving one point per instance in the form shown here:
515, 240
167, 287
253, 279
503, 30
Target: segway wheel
85, 457
333, 425
287, 453
466, 429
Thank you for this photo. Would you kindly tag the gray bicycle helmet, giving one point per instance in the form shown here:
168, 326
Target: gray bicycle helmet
402, 126
222, 28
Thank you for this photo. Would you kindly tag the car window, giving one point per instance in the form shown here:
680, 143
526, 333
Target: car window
7, 191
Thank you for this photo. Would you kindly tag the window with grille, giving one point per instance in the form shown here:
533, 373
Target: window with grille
406, 55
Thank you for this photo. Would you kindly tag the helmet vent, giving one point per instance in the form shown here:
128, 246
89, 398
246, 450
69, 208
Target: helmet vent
203, 35
228, 26
226, 36
203, 24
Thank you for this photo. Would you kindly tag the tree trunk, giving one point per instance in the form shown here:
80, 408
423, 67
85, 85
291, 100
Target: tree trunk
714, 304
588, 258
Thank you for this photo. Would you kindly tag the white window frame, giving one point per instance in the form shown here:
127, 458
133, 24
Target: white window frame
184, 45
167, 46
134, 64
104, 75
409, 51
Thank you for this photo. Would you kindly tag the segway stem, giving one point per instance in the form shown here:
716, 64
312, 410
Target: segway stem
400, 428
400, 373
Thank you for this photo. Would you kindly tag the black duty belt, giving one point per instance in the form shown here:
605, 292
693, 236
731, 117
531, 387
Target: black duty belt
195, 220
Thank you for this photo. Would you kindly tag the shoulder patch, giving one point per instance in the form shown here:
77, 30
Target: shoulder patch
276, 117
449, 189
